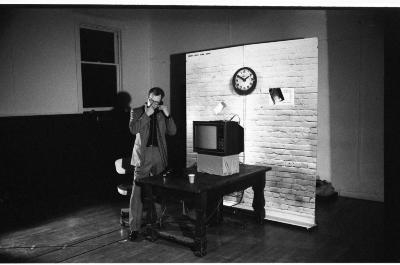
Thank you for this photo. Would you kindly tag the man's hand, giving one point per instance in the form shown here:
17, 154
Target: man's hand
149, 110
164, 109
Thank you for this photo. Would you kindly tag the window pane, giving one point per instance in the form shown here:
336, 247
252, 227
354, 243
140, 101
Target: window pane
99, 85
97, 46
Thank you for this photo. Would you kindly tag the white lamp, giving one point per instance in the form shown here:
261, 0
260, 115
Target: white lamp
219, 108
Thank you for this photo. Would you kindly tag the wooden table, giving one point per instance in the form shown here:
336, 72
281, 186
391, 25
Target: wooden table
206, 190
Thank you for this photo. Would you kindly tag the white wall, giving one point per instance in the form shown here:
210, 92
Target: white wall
176, 31
356, 103
38, 70
38, 74
283, 137
136, 70
349, 153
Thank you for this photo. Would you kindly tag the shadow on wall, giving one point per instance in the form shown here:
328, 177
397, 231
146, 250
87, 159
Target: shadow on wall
355, 68
121, 138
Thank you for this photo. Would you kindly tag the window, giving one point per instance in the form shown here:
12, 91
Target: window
99, 66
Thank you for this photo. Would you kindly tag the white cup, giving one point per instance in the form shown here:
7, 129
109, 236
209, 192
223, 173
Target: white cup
191, 178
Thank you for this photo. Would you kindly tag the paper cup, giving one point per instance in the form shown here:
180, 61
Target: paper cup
191, 178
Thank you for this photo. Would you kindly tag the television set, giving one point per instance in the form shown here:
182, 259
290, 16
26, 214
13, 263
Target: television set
220, 138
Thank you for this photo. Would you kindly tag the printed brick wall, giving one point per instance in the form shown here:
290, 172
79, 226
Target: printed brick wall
281, 136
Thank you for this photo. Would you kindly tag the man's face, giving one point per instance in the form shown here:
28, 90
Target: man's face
153, 100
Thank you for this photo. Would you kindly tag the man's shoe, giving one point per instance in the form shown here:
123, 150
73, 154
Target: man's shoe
133, 235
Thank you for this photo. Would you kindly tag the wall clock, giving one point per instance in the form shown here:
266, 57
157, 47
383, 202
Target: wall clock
244, 81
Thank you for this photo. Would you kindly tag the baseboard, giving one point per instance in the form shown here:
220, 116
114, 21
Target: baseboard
276, 215
362, 196
303, 220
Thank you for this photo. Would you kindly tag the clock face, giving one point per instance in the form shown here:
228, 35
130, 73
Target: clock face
244, 81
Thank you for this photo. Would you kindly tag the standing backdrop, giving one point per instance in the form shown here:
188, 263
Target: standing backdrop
281, 134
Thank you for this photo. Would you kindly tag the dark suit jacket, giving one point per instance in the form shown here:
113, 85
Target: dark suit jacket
139, 125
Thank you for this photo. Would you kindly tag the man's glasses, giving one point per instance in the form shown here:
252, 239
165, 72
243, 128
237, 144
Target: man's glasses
154, 103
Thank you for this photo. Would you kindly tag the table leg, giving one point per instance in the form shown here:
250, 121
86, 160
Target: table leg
259, 199
200, 240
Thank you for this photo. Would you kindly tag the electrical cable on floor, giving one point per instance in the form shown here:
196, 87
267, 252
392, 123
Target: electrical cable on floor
241, 199
110, 243
234, 117
74, 244
70, 245
59, 247
214, 211
96, 246
208, 219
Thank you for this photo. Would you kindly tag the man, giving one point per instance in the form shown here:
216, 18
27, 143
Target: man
150, 123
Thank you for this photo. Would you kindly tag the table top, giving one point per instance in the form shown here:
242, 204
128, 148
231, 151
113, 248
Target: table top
203, 181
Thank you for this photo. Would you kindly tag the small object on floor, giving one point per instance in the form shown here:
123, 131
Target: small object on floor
133, 236
325, 190
124, 217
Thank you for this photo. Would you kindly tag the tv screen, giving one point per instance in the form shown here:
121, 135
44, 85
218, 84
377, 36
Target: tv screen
206, 136
221, 138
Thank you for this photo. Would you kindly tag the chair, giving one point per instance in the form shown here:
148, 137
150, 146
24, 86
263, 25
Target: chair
125, 171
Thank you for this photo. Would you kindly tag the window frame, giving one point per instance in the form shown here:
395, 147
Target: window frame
79, 62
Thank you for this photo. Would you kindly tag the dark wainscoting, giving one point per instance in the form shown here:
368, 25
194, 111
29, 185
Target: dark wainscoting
52, 163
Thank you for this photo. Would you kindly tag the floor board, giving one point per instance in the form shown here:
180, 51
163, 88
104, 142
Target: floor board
348, 230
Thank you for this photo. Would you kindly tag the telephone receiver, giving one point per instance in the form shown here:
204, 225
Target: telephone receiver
159, 104
156, 110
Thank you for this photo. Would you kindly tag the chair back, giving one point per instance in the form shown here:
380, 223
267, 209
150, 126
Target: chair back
123, 166
118, 167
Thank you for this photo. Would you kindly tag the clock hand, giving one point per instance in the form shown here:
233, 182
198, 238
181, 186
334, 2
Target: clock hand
241, 78
245, 78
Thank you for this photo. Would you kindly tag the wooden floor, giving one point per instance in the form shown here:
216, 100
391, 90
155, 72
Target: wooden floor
348, 230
